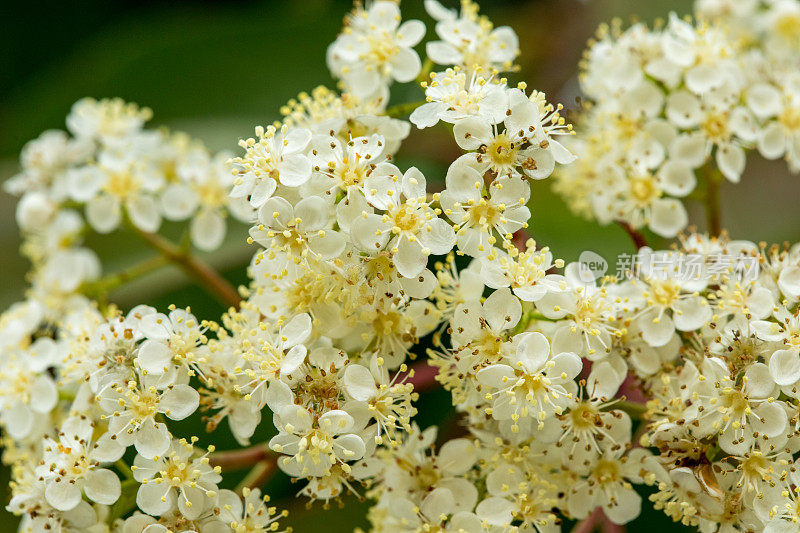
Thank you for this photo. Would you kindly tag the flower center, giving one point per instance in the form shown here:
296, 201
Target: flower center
406, 218
664, 293
502, 151
122, 184
644, 190
484, 213
606, 471
351, 173
381, 49
211, 194
736, 402
583, 416
788, 27
715, 126
790, 118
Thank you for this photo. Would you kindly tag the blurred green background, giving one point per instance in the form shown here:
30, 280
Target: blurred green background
217, 69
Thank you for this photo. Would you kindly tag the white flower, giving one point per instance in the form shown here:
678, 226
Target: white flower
638, 197
70, 466
276, 158
133, 405
608, 485
739, 413
469, 41
670, 301
174, 339
524, 146
451, 96
202, 194
527, 273
409, 228
531, 383
387, 400
343, 166
249, 514
592, 425
487, 323
311, 444
477, 217
717, 124
375, 48
115, 183
106, 120
298, 231
268, 352
780, 135
27, 391
178, 480
588, 326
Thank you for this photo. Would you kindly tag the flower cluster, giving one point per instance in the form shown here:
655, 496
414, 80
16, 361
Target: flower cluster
575, 393
680, 104
106, 172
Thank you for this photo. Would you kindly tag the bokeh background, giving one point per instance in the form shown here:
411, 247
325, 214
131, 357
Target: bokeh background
218, 69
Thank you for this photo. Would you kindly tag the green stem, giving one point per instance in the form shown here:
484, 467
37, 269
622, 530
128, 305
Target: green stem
635, 410
126, 502
108, 283
124, 469
401, 110
209, 278
66, 396
425, 73
527, 318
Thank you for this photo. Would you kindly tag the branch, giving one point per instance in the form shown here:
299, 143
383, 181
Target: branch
240, 459
259, 475
209, 278
636, 236
401, 110
108, 283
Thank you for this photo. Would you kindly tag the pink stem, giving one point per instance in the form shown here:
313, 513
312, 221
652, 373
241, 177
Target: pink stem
631, 388
638, 239
588, 524
239, 459
611, 527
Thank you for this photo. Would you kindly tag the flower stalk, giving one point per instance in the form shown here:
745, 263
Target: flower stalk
208, 278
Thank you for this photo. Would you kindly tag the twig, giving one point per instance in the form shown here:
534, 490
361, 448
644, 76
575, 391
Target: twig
638, 239
424, 73
401, 110
124, 469
259, 474
112, 281
210, 279
239, 459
